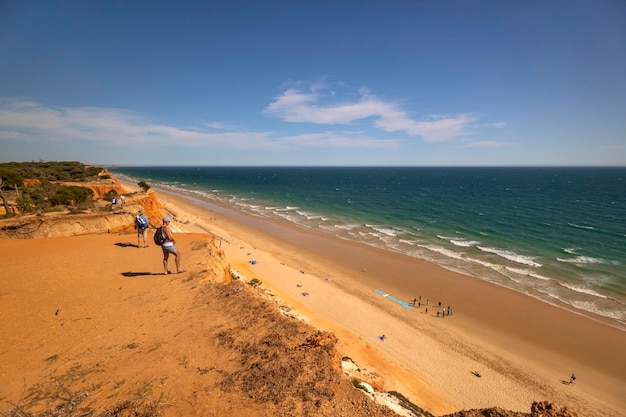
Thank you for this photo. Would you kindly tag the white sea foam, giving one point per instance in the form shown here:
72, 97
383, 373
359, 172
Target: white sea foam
386, 230
580, 226
511, 256
347, 226
464, 243
457, 241
581, 260
288, 208
308, 215
384, 237
519, 271
527, 273
583, 290
591, 306
486, 264
541, 277
443, 251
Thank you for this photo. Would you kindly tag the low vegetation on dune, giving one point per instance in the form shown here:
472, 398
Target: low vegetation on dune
39, 186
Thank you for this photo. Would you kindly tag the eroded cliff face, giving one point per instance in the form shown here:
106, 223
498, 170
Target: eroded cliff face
63, 224
100, 187
101, 219
150, 204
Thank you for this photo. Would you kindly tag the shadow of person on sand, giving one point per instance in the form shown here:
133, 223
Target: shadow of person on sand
126, 245
139, 274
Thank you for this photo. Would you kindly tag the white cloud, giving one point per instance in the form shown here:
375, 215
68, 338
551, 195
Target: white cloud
30, 121
113, 126
436, 129
337, 140
294, 105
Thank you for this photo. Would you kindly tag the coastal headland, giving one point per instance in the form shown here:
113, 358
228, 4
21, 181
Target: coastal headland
94, 314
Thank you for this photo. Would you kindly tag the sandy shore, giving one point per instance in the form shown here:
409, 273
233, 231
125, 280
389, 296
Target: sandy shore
523, 349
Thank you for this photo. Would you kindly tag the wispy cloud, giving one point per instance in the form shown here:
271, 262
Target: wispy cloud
27, 119
337, 140
321, 105
31, 121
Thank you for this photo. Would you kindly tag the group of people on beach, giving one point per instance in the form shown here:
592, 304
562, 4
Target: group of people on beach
441, 311
141, 225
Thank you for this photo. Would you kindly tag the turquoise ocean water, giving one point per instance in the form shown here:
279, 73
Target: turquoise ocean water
556, 234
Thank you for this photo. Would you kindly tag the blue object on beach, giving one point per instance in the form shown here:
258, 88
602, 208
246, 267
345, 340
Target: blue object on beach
253, 262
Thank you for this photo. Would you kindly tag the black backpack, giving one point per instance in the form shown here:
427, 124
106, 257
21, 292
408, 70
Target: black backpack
159, 236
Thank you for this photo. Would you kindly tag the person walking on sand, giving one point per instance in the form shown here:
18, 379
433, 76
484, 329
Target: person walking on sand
141, 225
169, 248
572, 379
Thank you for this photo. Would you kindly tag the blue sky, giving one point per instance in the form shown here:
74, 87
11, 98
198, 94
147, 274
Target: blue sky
411, 83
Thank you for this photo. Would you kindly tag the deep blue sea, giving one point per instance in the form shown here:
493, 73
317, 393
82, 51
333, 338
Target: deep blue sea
556, 234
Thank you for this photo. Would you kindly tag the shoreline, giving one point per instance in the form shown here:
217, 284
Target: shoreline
525, 346
546, 288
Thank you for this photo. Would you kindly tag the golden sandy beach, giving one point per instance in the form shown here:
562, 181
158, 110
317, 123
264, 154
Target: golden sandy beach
524, 350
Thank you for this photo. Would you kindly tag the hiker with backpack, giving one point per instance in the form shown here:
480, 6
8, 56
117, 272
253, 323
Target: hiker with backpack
163, 237
141, 225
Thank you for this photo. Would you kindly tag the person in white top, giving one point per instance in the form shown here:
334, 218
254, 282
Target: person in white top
168, 248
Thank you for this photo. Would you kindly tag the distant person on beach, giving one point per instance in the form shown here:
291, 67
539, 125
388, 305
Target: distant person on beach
141, 225
123, 199
168, 247
572, 379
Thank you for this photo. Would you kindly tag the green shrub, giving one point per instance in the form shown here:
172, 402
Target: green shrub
72, 195
37, 197
53, 170
144, 185
110, 194
357, 384
255, 282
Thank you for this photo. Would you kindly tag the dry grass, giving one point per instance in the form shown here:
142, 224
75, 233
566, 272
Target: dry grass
57, 399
